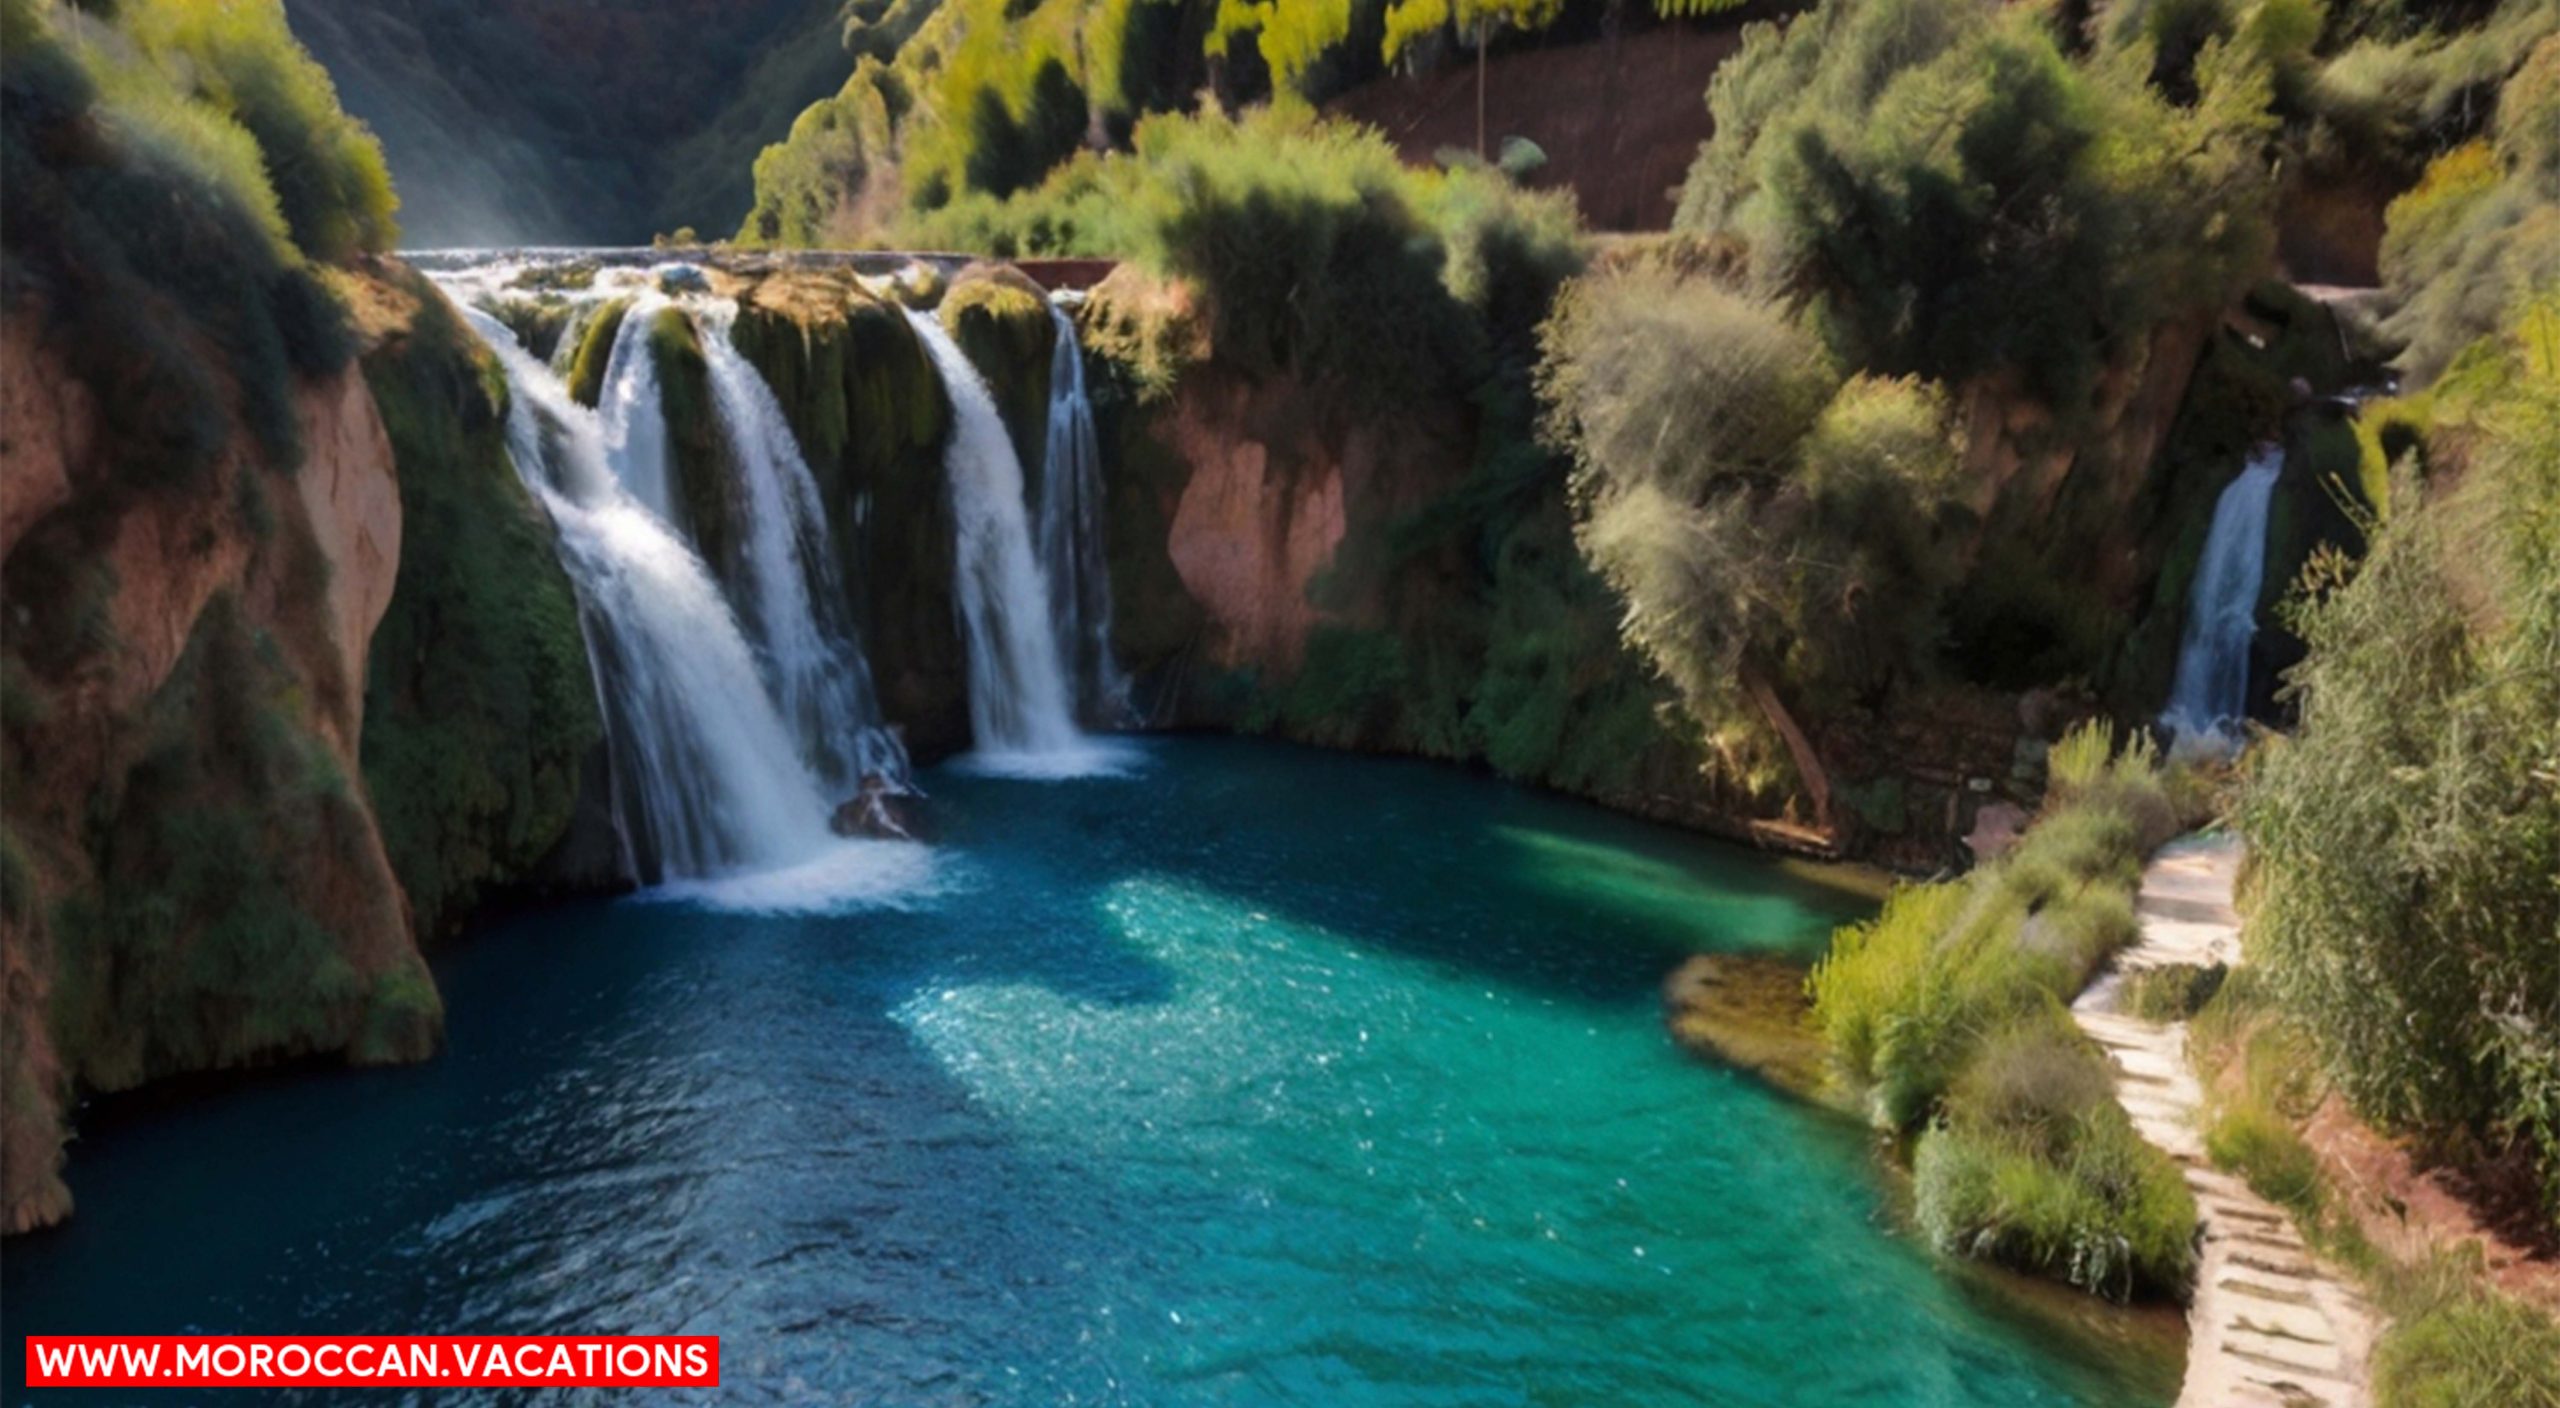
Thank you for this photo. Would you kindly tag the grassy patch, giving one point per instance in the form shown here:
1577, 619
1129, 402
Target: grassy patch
2034, 1165
1945, 1012
2172, 992
2455, 1343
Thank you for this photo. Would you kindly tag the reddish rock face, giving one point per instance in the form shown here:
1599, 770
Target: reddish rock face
1623, 155
1249, 537
311, 572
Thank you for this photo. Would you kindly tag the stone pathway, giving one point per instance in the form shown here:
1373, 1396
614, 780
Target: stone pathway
2269, 1325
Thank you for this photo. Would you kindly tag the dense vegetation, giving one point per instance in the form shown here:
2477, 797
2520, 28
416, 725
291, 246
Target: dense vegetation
2426, 968
174, 179
1946, 1014
2405, 904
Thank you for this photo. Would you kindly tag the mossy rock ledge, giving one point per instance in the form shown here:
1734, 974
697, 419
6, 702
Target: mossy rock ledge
872, 417
1001, 319
482, 735
702, 486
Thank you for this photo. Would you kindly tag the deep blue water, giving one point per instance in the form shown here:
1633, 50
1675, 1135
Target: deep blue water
1254, 1076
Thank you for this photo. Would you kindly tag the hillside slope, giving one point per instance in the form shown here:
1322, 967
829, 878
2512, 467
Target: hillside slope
538, 121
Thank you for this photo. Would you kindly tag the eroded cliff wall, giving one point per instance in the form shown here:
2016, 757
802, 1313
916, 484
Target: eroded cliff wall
196, 878
267, 720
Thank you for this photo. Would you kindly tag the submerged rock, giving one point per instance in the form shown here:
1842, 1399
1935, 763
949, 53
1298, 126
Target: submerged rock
1751, 1011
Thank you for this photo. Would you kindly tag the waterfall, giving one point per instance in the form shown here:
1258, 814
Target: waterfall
635, 421
1071, 541
795, 590
2211, 696
707, 777
1020, 705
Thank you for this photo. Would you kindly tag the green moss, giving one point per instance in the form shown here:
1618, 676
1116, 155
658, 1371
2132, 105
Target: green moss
479, 705
401, 1018
871, 415
537, 322
195, 950
697, 451
595, 352
1001, 319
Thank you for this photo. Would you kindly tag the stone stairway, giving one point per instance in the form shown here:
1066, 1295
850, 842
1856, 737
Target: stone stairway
2269, 1324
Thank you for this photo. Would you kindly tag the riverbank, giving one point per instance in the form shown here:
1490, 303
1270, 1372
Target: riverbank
2270, 1323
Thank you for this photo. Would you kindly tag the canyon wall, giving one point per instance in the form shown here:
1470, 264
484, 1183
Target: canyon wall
196, 878
1280, 566
232, 695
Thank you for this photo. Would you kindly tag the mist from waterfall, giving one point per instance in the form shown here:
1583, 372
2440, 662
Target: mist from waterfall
2210, 699
796, 601
1021, 707
1071, 535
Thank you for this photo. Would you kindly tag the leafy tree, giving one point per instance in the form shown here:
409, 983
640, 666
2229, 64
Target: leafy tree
1964, 201
1770, 530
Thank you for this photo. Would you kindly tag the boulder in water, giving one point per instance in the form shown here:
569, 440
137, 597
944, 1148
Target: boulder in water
879, 813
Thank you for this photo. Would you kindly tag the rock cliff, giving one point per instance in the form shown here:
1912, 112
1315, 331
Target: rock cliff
197, 880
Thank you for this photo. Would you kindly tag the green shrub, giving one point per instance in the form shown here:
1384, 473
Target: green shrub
1966, 201
2261, 1146
1909, 1000
810, 186
2481, 233
2172, 992
2453, 1342
2036, 1166
2077, 762
330, 182
142, 228
1771, 530
2428, 707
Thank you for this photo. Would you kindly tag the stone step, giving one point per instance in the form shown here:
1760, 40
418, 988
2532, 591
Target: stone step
2290, 1356
2259, 1291
2282, 1388
2301, 1324
2266, 1264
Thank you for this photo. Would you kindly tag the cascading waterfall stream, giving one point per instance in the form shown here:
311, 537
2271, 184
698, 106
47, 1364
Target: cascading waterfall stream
707, 778
796, 596
1071, 534
634, 419
2211, 696
1020, 703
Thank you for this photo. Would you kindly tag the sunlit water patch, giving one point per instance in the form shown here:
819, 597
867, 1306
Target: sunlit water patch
1254, 1076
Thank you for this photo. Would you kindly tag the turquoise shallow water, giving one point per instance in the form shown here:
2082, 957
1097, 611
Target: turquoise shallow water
1254, 1076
